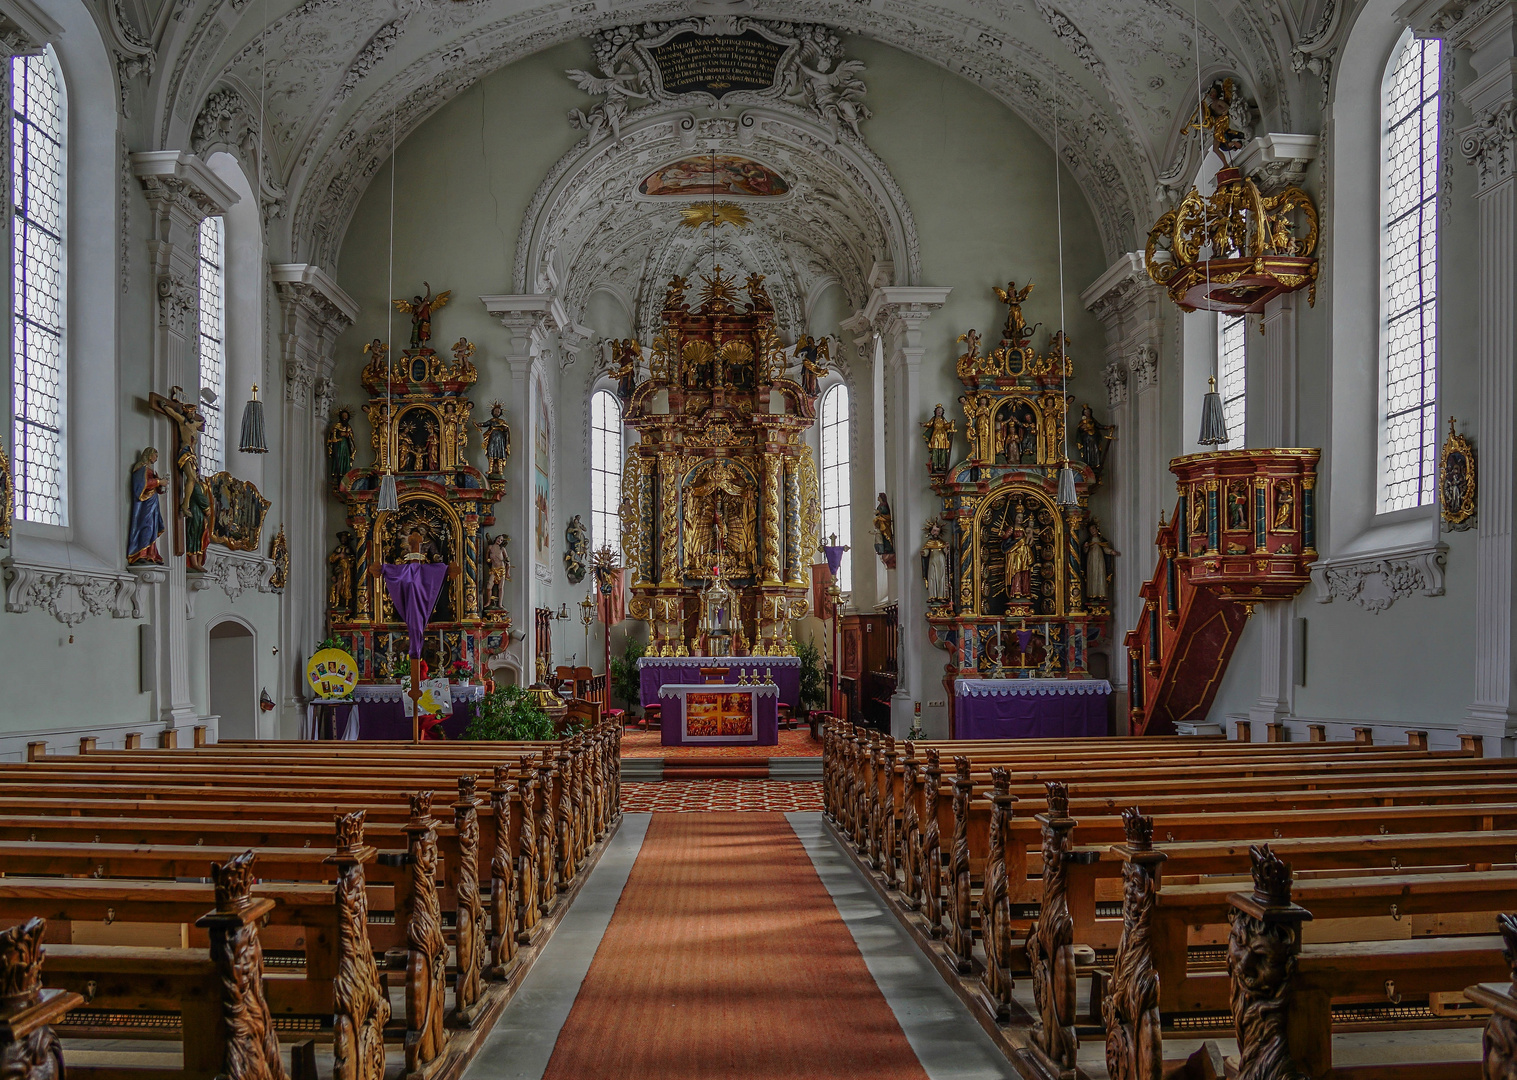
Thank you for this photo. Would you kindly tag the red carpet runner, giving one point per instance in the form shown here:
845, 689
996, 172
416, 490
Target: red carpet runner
726, 958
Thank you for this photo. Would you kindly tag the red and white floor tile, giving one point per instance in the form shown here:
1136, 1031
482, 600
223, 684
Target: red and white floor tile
700, 796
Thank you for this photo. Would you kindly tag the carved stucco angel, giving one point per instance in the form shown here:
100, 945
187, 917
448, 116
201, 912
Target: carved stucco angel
836, 93
619, 88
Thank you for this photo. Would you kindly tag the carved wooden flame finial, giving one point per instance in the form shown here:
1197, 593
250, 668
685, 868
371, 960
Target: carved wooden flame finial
1058, 798
234, 881
1139, 829
350, 830
502, 776
421, 807
1000, 779
933, 760
466, 786
21, 955
911, 751
1272, 876
961, 769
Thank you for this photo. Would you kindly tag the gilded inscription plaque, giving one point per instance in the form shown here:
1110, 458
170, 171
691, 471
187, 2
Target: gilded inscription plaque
691, 62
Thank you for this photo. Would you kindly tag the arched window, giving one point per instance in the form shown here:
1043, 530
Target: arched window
605, 471
1409, 349
37, 246
837, 498
1232, 375
213, 343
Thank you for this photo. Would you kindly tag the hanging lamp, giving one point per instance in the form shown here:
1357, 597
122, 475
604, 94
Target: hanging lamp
389, 497
1068, 495
1213, 420
253, 440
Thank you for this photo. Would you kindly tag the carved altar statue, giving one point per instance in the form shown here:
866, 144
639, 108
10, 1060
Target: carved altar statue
420, 414
722, 479
1018, 562
145, 523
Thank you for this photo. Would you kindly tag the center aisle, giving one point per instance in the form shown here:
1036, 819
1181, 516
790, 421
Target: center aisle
726, 957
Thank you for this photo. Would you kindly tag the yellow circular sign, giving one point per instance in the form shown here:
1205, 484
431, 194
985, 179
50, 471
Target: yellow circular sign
332, 673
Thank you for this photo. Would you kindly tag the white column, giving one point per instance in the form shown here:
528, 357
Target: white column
526, 319
1130, 307
900, 313
313, 313
1487, 32
181, 191
1271, 423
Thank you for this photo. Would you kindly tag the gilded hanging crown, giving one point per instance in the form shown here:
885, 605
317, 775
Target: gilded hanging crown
350, 830
21, 956
1272, 876
234, 881
1139, 829
1058, 798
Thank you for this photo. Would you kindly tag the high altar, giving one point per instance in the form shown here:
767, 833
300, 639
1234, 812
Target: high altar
419, 412
720, 484
1017, 584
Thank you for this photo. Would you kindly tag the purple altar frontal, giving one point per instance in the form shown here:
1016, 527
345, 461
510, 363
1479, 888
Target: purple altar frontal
711, 714
655, 672
377, 712
1030, 708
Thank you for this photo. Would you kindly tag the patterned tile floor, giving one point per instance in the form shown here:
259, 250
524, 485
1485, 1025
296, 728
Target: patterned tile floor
699, 796
645, 744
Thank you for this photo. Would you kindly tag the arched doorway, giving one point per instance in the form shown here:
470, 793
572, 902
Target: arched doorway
232, 678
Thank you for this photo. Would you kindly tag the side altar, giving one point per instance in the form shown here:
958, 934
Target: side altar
419, 415
720, 491
1018, 579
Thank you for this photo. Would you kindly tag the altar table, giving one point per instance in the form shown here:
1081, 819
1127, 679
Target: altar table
377, 712
702, 714
654, 672
1029, 708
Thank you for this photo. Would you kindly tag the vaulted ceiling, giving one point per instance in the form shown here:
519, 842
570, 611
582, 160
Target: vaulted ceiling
1120, 75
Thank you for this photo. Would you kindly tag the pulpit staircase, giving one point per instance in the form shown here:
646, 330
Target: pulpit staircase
1244, 532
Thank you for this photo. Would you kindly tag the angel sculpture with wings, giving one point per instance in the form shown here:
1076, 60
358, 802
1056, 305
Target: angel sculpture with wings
835, 93
420, 308
618, 88
1016, 331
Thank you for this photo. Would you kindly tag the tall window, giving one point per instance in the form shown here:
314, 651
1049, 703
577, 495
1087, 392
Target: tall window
837, 499
1232, 375
213, 343
605, 471
37, 267
1409, 369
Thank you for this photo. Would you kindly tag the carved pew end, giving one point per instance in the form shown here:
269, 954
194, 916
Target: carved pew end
1472, 744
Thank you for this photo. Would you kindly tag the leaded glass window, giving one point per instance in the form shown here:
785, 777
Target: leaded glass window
37, 312
1409, 353
837, 497
213, 344
605, 471
1232, 376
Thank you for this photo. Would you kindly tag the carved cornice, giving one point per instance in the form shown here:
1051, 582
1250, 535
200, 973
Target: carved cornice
1277, 161
234, 572
314, 312
899, 312
179, 183
71, 595
1115, 295
527, 318
1376, 580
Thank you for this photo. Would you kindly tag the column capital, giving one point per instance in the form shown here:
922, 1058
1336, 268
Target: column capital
1490, 144
901, 311
527, 318
181, 188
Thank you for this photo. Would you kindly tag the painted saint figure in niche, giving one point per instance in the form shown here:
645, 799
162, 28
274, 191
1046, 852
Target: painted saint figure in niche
1285, 505
340, 445
498, 559
497, 435
340, 593
421, 308
145, 522
935, 562
971, 426
1093, 440
884, 526
1237, 505
1017, 555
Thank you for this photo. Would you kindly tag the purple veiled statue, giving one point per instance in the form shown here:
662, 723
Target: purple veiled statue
413, 585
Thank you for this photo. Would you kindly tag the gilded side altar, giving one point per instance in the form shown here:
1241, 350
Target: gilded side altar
720, 480
1026, 588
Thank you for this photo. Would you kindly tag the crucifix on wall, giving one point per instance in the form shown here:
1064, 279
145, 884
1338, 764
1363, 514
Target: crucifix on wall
192, 502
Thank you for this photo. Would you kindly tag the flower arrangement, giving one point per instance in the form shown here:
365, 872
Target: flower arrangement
461, 671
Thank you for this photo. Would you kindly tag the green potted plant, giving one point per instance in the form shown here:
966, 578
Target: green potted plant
813, 677
625, 683
508, 714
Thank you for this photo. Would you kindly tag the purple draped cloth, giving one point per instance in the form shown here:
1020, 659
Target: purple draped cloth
413, 588
1030, 708
651, 677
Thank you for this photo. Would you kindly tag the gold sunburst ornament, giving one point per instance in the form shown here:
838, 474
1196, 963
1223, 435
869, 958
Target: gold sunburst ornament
716, 214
